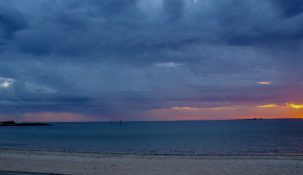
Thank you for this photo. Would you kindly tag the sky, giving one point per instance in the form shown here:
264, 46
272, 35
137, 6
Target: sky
92, 60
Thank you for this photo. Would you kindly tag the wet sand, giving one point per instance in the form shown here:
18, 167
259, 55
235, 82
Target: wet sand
119, 164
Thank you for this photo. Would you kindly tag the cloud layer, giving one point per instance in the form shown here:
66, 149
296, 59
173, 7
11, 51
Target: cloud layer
114, 59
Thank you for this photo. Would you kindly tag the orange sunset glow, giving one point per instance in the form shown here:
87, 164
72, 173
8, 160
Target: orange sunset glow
266, 111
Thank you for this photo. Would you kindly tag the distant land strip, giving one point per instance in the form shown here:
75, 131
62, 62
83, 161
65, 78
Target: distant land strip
26, 173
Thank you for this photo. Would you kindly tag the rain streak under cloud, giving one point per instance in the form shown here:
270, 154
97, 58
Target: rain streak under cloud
72, 60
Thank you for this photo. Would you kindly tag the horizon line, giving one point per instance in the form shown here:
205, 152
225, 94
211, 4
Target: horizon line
115, 121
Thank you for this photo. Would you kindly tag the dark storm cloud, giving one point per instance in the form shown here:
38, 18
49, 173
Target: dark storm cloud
124, 57
116, 28
290, 8
11, 21
174, 9
76, 28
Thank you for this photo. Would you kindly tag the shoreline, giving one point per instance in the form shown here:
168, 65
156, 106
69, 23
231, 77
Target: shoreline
152, 153
127, 164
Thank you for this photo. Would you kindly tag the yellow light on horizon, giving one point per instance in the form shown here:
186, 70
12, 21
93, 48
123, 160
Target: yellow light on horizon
295, 106
185, 108
221, 108
191, 109
268, 106
264, 82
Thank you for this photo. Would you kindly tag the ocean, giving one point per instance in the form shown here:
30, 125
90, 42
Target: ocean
235, 137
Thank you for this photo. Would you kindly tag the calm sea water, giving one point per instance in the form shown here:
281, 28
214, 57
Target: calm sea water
202, 137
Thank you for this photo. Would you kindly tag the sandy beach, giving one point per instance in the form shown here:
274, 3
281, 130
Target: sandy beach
118, 164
